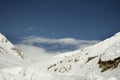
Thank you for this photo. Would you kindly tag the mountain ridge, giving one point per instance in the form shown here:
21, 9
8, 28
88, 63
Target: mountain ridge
102, 57
10, 54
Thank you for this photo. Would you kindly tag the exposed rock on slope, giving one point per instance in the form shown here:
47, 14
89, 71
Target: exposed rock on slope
101, 59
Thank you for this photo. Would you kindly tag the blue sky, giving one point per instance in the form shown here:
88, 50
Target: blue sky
79, 19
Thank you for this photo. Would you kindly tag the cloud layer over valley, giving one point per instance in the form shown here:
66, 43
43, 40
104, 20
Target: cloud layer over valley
40, 49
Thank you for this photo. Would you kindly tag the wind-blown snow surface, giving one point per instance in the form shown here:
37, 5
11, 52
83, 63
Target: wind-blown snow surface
98, 62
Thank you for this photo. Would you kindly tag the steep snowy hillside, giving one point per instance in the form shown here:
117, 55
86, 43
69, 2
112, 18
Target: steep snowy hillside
10, 55
98, 62
101, 59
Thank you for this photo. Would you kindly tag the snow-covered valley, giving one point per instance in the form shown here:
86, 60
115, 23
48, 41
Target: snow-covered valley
97, 62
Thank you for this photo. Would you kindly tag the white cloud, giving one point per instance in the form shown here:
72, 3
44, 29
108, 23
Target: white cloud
40, 54
72, 41
35, 53
29, 28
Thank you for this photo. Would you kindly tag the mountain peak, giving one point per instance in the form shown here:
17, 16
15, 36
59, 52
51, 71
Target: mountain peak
9, 53
2, 37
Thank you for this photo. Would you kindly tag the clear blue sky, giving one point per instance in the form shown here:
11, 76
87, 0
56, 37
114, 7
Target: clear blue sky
80, 19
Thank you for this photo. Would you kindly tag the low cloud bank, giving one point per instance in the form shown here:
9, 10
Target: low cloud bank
35, 53
41, 49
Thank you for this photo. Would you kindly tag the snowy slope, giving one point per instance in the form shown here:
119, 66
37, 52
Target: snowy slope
98, 62
101, 59
10, 55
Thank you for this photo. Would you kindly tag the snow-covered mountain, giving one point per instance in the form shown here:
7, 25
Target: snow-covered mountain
10, 55
101, 59
97, 62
